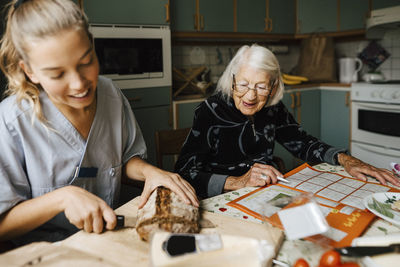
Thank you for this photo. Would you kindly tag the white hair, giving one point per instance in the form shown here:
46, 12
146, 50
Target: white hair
258, 57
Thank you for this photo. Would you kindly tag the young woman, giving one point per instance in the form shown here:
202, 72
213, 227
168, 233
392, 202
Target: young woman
66, 134
231, 143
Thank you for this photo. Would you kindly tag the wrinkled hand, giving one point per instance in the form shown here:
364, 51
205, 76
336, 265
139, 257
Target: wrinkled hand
258, 175
170, 180
360, 170
87, 211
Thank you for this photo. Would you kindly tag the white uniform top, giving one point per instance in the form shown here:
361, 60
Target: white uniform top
35, 160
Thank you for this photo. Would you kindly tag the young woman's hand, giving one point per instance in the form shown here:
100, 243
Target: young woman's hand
156, 177
258, 175
87, 211
360, 170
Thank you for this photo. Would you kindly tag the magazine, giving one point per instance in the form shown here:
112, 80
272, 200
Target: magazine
340, 199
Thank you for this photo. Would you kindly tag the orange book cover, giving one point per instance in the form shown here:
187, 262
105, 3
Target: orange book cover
339, 197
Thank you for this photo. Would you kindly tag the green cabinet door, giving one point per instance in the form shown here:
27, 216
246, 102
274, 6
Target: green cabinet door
149, 12
353, 14
152, 119
251, 18
216, 16
316, 16
279, 150
183, 15
282, 14
184, 112
335, 118
376, 4
310, 107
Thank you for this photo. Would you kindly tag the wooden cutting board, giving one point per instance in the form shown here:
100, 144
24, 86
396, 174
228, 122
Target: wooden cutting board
123, 247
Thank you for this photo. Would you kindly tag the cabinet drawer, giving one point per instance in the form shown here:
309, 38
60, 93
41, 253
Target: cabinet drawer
147, 97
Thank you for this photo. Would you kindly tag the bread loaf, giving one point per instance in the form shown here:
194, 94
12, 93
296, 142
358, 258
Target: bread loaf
165, 211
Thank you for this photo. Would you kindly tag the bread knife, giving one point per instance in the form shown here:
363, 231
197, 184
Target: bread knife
130, 222
368, 250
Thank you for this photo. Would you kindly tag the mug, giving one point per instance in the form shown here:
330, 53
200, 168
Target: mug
348, 69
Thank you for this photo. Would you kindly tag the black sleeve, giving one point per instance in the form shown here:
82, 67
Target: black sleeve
300, 144
192, 163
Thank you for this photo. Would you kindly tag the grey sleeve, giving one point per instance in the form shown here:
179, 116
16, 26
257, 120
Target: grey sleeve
331, 155
14, 185
216, 184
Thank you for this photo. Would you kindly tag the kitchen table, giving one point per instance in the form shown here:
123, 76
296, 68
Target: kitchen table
290, 251
101, 249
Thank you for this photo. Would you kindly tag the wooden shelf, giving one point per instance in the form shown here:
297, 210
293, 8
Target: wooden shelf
237, 37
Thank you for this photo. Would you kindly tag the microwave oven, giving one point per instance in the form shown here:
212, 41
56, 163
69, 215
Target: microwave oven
134, 56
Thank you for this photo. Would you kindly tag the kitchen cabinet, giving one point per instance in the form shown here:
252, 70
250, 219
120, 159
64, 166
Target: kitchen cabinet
183, 15
315, 16
272, 16
149, 12
305, 107
202, 15
216, 16
151, 107
353, 14
183, 112
335, 118
376, 4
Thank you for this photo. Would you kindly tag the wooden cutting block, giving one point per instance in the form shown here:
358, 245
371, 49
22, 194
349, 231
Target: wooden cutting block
123, 247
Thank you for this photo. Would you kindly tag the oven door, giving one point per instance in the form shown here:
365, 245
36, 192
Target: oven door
380, 157
376, 124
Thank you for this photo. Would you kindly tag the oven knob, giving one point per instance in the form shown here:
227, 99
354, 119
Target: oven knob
375, 94
387, 95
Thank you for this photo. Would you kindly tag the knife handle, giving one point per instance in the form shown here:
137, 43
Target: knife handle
120, 221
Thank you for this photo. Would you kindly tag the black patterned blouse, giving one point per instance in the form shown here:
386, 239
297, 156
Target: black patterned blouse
223, 142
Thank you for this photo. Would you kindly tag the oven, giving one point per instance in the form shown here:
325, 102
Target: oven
375, 123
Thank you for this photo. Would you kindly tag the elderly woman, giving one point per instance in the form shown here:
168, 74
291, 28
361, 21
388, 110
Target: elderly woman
231, 143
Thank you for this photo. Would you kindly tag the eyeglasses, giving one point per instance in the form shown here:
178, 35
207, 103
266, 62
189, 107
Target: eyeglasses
242, 89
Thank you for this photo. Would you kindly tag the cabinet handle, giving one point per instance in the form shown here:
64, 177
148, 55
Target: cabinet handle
195, 22
298, 106
347, 100
292, 104
134, 99
267, 20
268, 25
167, 12
201, 22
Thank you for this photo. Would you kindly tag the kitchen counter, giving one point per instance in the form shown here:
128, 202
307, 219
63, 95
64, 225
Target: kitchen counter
321, 86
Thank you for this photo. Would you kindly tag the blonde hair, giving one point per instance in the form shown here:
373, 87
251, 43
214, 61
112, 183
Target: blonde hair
258, 57
28, 21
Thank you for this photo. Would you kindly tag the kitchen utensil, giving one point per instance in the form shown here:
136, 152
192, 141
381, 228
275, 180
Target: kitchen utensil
381, 207
348, 69
130, 222
368, 250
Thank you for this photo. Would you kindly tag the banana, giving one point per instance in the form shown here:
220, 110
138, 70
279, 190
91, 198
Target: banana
290, 82
293, 77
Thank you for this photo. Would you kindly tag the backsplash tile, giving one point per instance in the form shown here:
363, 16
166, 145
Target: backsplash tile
217, 57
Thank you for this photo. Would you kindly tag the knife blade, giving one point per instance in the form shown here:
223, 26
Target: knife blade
368, 250
130, 222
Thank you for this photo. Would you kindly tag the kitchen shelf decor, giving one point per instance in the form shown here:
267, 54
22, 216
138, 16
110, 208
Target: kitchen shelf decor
185, 84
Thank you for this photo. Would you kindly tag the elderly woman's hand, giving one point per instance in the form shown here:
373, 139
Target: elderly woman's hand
258, 175
360, 170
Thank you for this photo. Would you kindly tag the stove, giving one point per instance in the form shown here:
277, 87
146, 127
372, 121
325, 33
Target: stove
375, 123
